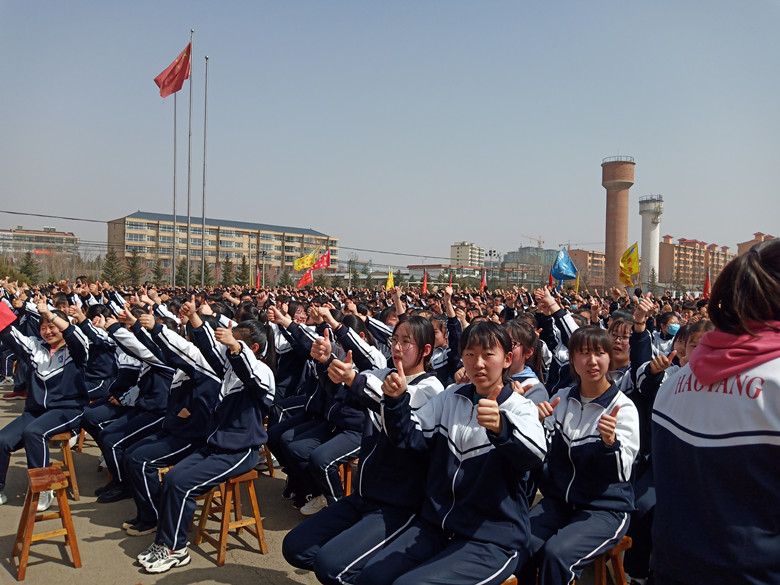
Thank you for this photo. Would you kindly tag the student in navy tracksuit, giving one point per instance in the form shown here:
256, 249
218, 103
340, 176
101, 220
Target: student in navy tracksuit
593, 438
483, 439
389, 485
715, 447
56, 393
101, 368
445, 359
235, 430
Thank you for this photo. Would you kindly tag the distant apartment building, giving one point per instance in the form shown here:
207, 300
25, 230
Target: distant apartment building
269, 249
467, 254
758, 237
15, 243
686, 263
590, 266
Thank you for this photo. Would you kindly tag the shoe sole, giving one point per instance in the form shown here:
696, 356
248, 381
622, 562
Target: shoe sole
126, 525
175, 563
132, 532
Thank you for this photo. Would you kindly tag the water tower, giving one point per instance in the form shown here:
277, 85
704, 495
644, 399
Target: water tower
650, 208
617, 177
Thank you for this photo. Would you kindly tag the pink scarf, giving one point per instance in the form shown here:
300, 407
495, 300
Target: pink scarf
722, 355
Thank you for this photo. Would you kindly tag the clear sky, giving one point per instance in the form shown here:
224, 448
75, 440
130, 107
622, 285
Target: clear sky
402, 125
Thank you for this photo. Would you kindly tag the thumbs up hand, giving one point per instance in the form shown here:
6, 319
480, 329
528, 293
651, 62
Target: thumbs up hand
341, 372
225, 337
395, 383
546, 408
489, 414
321, 348
147, 320
607, 426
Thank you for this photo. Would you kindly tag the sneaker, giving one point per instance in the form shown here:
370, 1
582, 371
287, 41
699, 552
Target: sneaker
149, 552
120, 492
45, 500
314, 505
7, 381
288, 493
3, 498
128, 523
104, 488
73, 441
102, 464
299, 501
15, 394
142, 529
165, 559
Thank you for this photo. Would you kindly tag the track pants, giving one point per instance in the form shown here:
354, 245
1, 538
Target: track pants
142, 462
564, 541
32, 432
423, 554
100, 413
117, 436
191, 477
339, 540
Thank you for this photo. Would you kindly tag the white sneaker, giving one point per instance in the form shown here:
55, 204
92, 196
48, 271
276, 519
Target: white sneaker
3, 498
314, 505
144, 557
165, 559
74, 440
45, 500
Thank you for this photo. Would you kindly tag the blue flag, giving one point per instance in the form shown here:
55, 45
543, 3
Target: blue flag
563, 268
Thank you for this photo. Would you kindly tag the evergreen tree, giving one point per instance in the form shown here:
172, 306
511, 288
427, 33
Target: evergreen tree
337, 282
242, 274
653, 284
181, 272
29, 268
368, 281
158, 273
319, 279
354, 274
112, 269
397, 278
134, 269
285, 279
207, 281
227, 272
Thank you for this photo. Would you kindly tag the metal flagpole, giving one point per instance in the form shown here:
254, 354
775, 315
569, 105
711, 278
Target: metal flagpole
173, 261
189, 172
203, 227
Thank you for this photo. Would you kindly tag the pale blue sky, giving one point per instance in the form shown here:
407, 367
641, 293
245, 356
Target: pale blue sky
398, 125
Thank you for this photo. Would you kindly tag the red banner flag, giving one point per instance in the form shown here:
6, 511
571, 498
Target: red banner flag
706, 293
307, 278
171, 80
257, 277
425, 282
7, 316
323, 262
483, 284
551, 283
450, 278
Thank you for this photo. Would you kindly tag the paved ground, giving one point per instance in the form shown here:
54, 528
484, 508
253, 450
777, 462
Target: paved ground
108, 554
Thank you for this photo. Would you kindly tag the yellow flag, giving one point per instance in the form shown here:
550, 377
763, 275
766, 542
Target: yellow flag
304, 262
390, 284
577, 283
629, 261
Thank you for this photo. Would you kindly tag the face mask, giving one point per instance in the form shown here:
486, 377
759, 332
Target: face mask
673, 329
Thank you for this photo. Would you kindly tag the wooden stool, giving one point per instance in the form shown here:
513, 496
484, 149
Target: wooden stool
63, 440
231, 501
511, 581
346, 471
44, 479
614, 556
269, 460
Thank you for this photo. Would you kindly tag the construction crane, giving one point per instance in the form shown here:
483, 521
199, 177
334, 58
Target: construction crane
568, 244
539, 241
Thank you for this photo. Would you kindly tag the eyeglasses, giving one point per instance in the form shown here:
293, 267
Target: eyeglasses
622, 338
404, 345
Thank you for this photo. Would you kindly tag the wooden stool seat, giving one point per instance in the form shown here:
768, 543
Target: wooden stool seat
40, 480
614, 556
63, 441
346, 471
231, 502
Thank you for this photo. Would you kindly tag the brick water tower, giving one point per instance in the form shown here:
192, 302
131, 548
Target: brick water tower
617, 177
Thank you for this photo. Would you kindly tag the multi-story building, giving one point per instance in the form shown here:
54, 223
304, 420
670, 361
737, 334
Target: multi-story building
686, 263
53, 250
757, 238
269, 249
590, 266
467, 254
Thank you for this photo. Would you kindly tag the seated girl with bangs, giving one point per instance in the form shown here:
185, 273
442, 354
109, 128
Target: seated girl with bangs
592, 441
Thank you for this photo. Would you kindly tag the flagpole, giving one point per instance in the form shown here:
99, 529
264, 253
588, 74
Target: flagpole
189, 171
203, 227
173, 261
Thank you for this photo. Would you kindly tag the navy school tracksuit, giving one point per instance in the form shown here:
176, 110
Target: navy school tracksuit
56, 395
146, 418
473, 524
101, 366
244, 395
446, 360
389, 488
586, 486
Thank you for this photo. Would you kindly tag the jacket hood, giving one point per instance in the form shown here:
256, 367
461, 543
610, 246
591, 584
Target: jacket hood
721, 355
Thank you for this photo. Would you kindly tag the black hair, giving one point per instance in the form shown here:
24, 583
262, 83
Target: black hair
246, 310
522, 333
747, 291
580, 320
222, 308
386, 313
664, 318
358, 326
251, 332
590, 338
95, 310
421, 331
487, 335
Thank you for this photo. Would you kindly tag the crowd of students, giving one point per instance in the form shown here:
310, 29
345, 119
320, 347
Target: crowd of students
500, 433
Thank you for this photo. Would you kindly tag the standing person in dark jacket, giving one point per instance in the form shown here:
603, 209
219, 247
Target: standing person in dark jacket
56, 393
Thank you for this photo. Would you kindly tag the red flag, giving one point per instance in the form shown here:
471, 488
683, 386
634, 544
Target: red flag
307, 278
551, 283
323, 262
171, 80
483, 284
7, 316
706, 293
425, 282
450, 278
257, 277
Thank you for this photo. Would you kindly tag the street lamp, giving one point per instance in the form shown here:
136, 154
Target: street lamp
263, 253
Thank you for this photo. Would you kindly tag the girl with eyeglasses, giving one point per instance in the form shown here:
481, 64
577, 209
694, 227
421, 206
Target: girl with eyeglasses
389, 483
